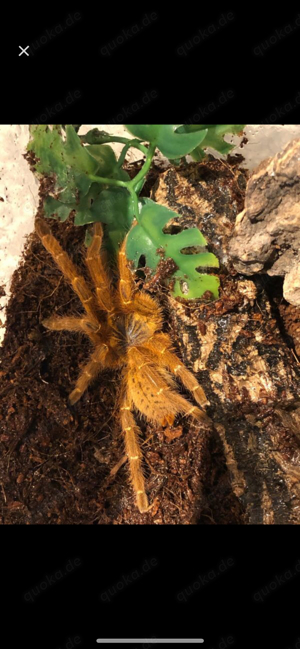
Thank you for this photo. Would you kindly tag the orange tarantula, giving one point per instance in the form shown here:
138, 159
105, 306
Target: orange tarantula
124, 324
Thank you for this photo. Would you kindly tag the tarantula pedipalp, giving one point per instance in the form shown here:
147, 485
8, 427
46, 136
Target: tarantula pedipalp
124, 324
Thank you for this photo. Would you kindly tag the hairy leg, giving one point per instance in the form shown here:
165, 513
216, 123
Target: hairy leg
68, 269
140, 304
89, 372
104, 290
134, 455
159, 348
126, 288
153, 391
70, 323
146, 308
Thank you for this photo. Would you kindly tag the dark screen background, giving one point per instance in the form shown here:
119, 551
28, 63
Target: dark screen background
148, 63
233, 586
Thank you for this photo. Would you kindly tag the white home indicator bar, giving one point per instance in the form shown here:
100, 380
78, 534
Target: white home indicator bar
150, 640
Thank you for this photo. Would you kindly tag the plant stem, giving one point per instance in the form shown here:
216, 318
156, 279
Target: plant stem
108, 181
135, 145
135, 202
145, 168
130, 185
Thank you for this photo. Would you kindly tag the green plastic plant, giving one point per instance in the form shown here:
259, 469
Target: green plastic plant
88, 180
214, 137
148, 236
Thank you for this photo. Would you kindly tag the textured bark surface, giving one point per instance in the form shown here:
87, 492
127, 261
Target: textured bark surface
266, 237
291, 319
238, 350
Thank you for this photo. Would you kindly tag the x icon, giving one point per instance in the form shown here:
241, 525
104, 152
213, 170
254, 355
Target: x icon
23, 50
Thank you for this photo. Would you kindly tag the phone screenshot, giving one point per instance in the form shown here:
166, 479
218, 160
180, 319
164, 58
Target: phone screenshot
149, 329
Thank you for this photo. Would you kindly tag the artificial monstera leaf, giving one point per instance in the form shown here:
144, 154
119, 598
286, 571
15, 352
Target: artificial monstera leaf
72, 164
169, 138
105, 157
77, 156
215, 138
83, 208
114, 207
75, 126
147, 238
64, 158
47, 145
56, 209
94, 136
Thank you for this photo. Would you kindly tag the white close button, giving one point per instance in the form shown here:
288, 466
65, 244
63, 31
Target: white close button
23, 50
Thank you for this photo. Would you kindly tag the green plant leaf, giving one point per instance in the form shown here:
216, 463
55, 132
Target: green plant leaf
169, 138
120, 174
214, 138
47, 146
147, 238
67, 160
105, 157
145, 132
114, 208
75, 126
71, 164
94, 136
56, 209
83, 214
76, 155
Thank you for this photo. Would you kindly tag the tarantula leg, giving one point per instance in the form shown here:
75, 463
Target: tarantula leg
134, 455
168, 420
188, 379
159, 346
143, 306
89, 373
196, 413
67, 267
70, 323
97, 271
127, 286
153, 390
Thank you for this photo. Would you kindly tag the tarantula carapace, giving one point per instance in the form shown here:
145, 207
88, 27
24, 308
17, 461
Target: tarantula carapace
124, 324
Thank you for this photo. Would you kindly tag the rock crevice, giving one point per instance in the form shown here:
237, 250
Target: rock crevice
266, 237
